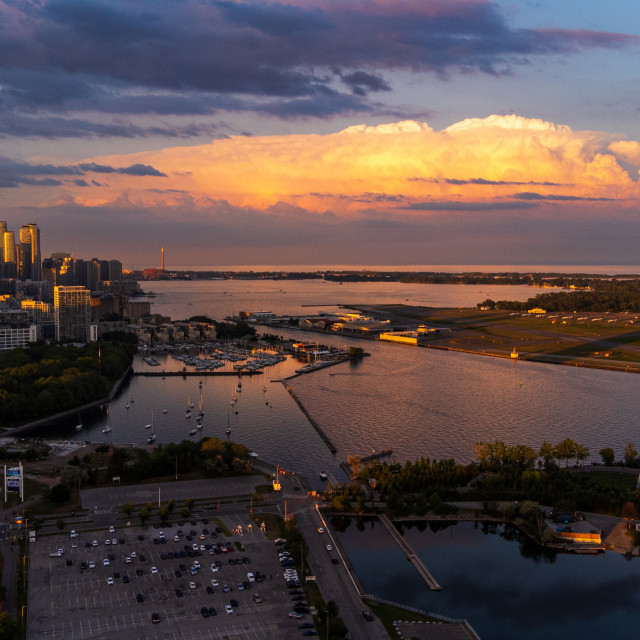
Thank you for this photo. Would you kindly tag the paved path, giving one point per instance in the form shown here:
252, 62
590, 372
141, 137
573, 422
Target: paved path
109, 497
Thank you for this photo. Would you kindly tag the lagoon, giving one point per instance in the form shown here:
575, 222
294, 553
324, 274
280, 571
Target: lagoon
493, 576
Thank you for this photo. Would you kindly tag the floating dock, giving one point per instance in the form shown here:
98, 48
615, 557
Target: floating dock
411, 556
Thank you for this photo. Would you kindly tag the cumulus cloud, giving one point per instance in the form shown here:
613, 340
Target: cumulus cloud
471, 165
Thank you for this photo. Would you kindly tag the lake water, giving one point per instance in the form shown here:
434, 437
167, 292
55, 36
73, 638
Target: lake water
492, 576
419, 402
181, 299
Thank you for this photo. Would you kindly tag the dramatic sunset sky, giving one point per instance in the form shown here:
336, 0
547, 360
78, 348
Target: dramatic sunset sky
388, 132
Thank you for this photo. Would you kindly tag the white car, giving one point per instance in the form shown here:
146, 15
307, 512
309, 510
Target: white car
94, 543
110, 581
74, 533
154, 570
112, 529
105, 562
107, 541
133, 554
329, 547
92, 565
192, 585
215, 583
229, 609
196, 564
251, 577
214, 568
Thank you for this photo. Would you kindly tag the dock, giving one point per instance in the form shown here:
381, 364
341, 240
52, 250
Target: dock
193, 374
411, 556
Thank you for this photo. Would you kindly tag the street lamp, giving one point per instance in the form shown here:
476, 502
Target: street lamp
24, 606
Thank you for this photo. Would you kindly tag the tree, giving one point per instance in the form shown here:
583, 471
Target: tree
127, 508
582, 453
190, 503
565, 450
163, 514
547, 453
8, 628
143, 514
60, 524
171, 505
630, 455
629, 513
354, 462
60, 493
608, 456
184, 513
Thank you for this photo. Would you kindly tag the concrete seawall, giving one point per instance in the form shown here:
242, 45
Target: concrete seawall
313, 423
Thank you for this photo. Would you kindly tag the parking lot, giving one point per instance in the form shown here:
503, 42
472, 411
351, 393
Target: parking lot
95, 589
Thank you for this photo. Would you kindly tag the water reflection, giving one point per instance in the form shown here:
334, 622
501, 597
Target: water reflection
494, 576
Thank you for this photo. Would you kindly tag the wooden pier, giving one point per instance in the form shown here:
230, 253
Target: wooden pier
411, 556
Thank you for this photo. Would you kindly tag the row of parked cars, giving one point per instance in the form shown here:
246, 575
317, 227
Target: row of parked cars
300, 606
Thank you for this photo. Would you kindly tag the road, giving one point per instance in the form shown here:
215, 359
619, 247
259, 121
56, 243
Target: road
334, 581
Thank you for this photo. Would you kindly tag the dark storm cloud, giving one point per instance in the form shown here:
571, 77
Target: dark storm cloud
133, 170
467, 206
530, 195
164, 57
13, 174
482, 181
361, 82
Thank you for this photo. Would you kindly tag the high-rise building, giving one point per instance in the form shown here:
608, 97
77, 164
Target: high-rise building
115, 270
25, 264
72, 313
10, 257
36, 258
3, 229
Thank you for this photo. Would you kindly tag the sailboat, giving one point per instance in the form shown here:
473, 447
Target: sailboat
188, 412
107, 428
239, 384
201, 412
152, 438
79, 425
228, 431
148, 426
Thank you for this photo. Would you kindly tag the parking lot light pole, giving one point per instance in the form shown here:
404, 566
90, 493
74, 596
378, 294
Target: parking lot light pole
24, 606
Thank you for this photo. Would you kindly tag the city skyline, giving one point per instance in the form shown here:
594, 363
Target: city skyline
313, 132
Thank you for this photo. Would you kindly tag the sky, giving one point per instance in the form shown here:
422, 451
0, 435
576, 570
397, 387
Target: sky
323, 131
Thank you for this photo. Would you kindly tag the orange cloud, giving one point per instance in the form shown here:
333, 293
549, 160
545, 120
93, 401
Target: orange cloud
398, 164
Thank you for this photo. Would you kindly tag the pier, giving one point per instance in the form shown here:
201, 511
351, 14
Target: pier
192, 374
411, 556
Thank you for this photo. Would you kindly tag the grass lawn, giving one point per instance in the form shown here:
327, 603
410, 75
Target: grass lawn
388, 614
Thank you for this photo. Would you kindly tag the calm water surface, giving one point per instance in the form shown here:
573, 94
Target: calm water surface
496, 580
419, 402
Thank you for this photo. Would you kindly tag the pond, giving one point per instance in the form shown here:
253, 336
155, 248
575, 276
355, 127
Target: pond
493, 576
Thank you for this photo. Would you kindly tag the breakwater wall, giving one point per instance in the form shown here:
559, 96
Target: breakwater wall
193, 374
313, 423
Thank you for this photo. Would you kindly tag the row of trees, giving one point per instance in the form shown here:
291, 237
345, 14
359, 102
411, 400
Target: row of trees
42, 380
604, 295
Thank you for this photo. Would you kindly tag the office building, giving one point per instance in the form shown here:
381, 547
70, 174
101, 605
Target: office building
72, 307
